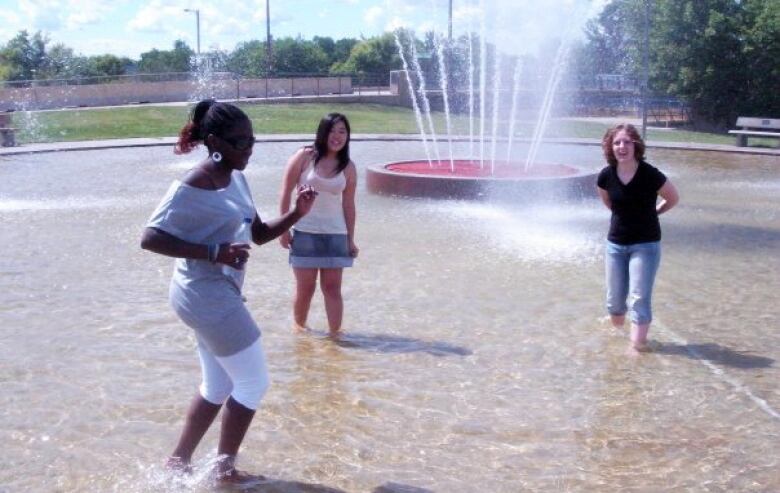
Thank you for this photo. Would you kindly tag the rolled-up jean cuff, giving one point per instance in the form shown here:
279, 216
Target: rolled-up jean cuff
631, 271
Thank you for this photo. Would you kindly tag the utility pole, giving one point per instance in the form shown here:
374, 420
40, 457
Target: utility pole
269, 50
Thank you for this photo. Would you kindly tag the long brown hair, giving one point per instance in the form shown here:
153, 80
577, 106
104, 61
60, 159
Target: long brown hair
609, 137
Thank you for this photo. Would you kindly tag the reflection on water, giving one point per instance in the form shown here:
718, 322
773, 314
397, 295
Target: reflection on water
474, 357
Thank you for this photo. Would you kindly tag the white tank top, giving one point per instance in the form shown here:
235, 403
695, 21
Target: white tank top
327, 213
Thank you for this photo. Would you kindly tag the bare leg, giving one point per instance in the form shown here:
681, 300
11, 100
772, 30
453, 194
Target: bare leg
330, 283
305, 284
639, 336
235, 422
618, 321
199, 417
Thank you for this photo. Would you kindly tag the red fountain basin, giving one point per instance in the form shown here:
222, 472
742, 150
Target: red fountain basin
468, 179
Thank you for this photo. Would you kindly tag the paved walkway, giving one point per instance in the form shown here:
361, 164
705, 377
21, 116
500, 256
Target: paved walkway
303, 138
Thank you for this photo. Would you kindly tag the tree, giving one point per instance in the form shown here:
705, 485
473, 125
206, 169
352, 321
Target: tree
60, 62
612, 41
374, 55
697, 54
342, 49
327, 45
721, 56
299, 56
249, 59
762, 58
24, 56
179, 59
107, 64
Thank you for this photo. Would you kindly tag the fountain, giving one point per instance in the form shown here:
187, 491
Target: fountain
477, 176
468, 179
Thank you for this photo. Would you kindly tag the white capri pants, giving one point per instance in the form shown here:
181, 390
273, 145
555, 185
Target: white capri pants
242, 375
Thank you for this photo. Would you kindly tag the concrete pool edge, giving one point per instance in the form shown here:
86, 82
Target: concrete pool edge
92, 145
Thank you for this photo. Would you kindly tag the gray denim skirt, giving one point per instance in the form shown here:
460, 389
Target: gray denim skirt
319, 251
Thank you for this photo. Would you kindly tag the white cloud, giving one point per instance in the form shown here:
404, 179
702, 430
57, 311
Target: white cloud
394, 23
372, 15
83, 12
8, 22
154, 17
45, 15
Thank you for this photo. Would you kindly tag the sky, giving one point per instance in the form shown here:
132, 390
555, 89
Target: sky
131, 27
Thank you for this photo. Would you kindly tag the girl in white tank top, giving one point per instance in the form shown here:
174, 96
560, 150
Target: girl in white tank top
327, 214
323, 242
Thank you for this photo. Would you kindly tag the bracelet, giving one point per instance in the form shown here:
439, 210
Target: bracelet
212, 253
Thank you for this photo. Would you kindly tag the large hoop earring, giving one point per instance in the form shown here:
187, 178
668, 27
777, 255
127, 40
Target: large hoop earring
216, 156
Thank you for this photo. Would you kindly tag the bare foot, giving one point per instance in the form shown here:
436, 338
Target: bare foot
609, 322
636, 349
178, 465
301, 329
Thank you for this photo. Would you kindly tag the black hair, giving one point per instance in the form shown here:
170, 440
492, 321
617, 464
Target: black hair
208, 117
321, 140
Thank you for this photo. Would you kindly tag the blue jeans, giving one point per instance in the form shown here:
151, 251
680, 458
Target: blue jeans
631, 273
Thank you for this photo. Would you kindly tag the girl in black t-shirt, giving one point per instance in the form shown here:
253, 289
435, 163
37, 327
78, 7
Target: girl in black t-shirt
630, 187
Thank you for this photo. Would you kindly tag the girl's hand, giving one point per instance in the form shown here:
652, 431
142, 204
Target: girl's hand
353, 249
305, 200
285, 239
233, 254
309, 152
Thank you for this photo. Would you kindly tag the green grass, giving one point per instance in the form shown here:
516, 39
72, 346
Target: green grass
166, 121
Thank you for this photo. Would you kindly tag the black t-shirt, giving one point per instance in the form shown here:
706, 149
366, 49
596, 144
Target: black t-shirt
634, 218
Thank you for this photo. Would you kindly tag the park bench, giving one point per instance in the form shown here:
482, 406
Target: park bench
7, 133
756, 127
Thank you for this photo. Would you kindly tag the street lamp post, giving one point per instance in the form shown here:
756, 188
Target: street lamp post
197, 26
449, 24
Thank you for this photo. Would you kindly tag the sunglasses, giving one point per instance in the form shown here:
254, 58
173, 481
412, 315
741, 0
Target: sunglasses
240, 144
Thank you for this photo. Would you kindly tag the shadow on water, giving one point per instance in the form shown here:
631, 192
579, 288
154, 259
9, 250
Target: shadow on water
385, 343
716, 237
281, 486
715, 353
399, 488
